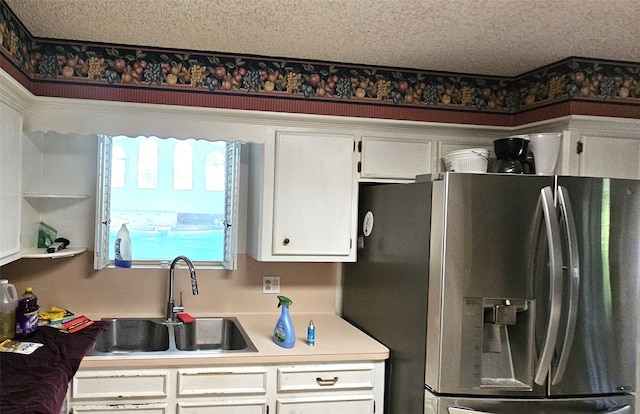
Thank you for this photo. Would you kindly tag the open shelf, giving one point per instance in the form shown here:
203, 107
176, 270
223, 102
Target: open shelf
42, 253
41, 195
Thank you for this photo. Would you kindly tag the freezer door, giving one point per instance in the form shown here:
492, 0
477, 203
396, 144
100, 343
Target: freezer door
602, 358
618, 404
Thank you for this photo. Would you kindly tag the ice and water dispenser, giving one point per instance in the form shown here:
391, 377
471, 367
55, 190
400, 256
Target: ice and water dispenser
498, 343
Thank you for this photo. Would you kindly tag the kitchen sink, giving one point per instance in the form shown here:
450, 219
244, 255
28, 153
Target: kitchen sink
152, 336
208, 334
133, 335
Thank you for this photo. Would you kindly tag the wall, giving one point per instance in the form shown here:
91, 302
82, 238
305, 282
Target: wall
73, 283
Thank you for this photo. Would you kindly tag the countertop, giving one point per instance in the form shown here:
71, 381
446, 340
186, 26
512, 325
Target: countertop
336, 341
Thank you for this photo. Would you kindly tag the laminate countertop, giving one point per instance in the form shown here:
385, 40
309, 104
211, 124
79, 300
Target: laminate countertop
336, 341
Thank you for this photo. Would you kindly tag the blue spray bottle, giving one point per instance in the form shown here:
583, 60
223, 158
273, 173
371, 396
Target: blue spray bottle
284, 334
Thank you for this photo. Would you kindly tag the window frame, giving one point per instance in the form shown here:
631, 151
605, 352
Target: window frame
103, 204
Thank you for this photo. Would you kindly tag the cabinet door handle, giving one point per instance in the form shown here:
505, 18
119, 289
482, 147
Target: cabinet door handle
286, 241
327, 381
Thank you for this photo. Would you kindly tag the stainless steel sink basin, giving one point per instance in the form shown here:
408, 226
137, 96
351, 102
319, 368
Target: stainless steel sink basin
133, 335
156, 336
208, 334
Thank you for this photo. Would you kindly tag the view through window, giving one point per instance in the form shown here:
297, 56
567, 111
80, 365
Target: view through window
171, 195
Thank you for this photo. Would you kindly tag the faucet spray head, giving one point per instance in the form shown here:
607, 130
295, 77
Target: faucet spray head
194, 284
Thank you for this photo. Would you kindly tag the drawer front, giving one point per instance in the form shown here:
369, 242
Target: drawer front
122, 408
120, 384
317, 378
222, 382
356, 404
223, 407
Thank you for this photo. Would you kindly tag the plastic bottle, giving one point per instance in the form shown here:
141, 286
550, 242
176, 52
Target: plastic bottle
284, 334
8, 305
123, 247
27, 314
311, 333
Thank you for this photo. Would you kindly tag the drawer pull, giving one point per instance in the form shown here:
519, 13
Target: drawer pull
327, 381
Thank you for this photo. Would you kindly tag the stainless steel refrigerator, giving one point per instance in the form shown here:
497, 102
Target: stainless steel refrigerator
501, 293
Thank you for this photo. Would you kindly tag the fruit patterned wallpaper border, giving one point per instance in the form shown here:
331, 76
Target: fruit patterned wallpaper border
253, 76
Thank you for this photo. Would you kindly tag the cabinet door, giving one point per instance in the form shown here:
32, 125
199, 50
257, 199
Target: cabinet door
395, 159
10, 182
610, 157
313, 192
230, 406
352, 404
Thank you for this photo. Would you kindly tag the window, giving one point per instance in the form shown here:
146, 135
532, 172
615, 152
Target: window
214, 173
118, 167
183, 202
183, 166
147, 163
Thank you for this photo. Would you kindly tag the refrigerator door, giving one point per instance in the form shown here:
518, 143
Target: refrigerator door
602, 358
618, 404
385, 291
481, 309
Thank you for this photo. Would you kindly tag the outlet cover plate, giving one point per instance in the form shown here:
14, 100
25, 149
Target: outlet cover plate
270, 284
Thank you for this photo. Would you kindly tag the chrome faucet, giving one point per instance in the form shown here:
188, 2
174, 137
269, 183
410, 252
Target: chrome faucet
172, 308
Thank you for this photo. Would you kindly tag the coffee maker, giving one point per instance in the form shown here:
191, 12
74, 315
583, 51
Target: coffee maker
513, 156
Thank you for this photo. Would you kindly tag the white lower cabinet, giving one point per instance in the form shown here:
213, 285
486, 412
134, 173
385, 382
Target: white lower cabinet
304, 388
237, 390
354, 404
223, 407
318, 389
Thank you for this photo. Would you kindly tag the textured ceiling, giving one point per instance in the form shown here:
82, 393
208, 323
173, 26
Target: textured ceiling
484, 37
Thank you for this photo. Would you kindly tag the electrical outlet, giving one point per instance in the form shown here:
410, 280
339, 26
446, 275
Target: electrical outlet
270, 284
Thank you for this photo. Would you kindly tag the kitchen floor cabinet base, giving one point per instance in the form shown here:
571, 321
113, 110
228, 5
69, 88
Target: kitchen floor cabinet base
354, 388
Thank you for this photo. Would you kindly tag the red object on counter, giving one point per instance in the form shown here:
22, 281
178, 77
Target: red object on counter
74, 325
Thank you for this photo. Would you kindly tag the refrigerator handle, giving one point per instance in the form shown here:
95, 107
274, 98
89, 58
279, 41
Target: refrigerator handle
547, 209
625, 409
573, 275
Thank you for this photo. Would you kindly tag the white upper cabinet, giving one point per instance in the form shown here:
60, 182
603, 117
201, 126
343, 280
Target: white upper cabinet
598, 147
302, 198
10, 182
610, 157
401, 157
394, 158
